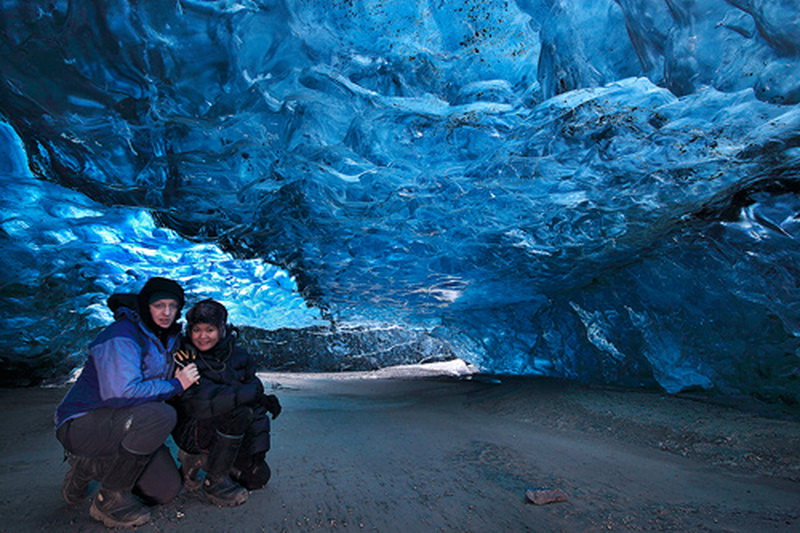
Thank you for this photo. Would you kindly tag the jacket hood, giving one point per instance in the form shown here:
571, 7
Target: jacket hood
124, 299
126, 303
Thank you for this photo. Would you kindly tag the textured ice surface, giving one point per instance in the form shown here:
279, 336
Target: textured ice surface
64, 254
595, 189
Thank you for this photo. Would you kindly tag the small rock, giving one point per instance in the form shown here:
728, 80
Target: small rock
545, 496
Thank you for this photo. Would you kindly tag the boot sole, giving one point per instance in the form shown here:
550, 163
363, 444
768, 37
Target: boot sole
98, 515
220, 502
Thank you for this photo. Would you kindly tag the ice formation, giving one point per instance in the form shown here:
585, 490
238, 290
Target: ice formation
592, 189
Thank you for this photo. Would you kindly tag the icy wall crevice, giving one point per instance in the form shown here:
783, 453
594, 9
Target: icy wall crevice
601, 190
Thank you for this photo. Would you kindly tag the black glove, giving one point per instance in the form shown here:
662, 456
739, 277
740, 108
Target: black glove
271, 404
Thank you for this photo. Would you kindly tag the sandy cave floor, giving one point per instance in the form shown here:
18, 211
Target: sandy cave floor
374, 453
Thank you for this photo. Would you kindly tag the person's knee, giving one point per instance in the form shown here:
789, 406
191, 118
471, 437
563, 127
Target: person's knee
237, 421
156, 416
164, 414
149, 426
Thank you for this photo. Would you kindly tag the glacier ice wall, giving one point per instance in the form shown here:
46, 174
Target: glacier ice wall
64, 254
600, 190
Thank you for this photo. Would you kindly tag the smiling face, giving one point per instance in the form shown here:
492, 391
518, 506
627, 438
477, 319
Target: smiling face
164, 312
204, 336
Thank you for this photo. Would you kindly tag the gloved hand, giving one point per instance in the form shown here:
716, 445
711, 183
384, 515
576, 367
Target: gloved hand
271, 404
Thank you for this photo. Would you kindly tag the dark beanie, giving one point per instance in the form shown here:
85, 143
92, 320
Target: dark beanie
162, 288
210, 312
159, 289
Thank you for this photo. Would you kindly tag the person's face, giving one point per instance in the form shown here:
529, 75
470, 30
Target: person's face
164, 312
204, 336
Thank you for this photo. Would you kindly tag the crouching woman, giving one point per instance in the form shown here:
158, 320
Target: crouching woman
114, 420
223, 426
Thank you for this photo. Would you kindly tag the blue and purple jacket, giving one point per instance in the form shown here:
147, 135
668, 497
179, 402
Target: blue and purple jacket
127, 365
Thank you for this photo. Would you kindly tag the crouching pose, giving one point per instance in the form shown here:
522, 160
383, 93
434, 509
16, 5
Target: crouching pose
222, 427
114, 420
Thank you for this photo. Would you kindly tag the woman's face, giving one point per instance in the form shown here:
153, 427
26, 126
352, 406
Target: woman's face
164, 312
204, 336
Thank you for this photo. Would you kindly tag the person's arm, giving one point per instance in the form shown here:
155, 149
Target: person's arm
188, 375
208, 399
217, 394
118, 361
269, 402
250, 371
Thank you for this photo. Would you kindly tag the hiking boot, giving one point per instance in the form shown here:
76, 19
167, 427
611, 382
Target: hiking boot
223, 491
218, 486
191, 465
115, 505
83, 470
75, 486
118, 509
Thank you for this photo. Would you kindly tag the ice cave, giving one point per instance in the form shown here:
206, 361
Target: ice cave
605, 191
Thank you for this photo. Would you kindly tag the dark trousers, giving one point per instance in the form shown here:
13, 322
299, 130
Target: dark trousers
199, 434
142, 430
195, 435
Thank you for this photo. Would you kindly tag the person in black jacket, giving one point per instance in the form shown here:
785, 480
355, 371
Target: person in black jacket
223, 425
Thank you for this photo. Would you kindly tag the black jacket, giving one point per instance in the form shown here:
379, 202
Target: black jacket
227, 380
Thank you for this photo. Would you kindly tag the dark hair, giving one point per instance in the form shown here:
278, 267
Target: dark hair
208, 311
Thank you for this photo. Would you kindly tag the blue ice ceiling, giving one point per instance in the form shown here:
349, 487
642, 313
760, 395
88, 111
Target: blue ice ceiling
599, 190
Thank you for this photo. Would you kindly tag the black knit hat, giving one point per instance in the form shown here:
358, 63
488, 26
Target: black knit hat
208, 311
158, 288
